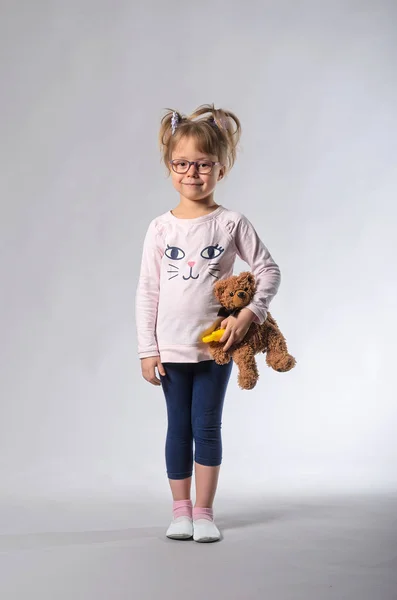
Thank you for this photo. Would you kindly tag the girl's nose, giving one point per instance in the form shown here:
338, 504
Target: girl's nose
190, 168
191, 264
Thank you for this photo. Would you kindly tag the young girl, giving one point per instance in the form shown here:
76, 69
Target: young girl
185, 251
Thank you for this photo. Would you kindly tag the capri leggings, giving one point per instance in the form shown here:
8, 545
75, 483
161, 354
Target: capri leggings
194, 394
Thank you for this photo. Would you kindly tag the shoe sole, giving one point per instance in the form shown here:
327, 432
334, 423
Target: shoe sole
181, 536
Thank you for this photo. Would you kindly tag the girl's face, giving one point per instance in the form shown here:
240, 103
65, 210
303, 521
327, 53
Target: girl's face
195, 186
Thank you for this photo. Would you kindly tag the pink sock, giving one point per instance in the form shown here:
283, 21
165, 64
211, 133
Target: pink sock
203, 513
182, 508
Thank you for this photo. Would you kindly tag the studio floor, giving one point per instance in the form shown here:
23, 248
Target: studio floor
275, 549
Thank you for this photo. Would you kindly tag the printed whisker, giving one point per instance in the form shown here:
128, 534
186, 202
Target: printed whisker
173, 277
216, 277
173, 266
213, 269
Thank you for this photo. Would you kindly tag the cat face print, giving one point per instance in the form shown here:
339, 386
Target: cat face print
179, 266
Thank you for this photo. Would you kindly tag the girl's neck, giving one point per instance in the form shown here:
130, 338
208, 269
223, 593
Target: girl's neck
189, 209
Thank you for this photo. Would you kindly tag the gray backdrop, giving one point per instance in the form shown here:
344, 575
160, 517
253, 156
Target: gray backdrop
83, 87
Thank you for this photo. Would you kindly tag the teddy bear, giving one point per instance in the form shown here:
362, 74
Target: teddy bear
233, 294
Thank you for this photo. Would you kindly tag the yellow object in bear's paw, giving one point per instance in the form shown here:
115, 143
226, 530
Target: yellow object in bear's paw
215, 336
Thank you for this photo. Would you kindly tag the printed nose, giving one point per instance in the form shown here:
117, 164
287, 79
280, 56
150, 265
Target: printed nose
191, 264
241, 294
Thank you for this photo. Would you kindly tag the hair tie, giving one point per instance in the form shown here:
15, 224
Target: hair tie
174, 121
222, 121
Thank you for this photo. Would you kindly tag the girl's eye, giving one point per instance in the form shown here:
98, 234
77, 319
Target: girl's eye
212, 252
174, 253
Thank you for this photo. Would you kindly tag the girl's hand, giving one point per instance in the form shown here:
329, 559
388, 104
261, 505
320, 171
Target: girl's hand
148, 366
236, 328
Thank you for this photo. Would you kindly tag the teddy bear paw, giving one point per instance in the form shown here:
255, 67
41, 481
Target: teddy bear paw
281, 363
246, 381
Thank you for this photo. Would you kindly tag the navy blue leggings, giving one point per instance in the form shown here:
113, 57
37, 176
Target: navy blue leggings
194, 394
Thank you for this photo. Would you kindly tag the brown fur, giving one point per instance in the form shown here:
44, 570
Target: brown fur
236, 292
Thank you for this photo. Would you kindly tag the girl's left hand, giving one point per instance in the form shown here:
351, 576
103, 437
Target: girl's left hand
236, 328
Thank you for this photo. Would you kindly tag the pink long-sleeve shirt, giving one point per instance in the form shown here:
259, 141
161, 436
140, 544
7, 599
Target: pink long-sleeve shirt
181, 261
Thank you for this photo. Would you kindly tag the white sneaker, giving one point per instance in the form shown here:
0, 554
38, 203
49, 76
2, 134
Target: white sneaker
205, 531
181, 528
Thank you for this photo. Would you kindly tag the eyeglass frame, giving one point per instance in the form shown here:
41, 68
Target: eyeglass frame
195, 163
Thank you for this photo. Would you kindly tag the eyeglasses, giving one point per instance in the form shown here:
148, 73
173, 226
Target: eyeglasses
203, 167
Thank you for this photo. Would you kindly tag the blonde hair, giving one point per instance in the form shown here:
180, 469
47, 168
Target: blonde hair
217, 132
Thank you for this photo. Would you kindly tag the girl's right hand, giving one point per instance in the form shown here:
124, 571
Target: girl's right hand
148, 366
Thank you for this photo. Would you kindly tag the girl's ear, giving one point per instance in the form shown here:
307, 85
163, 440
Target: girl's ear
222, 172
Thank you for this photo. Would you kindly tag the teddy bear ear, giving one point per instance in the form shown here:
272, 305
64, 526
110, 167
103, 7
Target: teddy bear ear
219, 288
250, 278
247, 277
